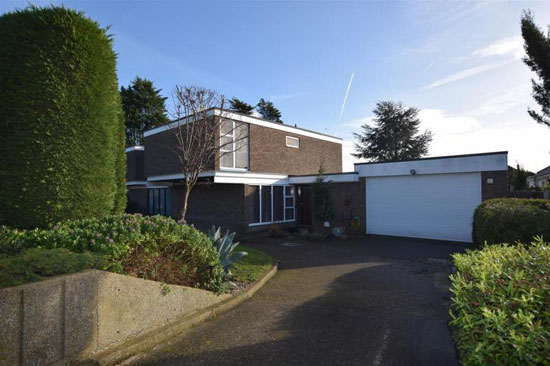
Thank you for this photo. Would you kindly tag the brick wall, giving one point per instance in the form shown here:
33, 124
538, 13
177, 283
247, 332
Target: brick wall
212, 204
269, 153
499, 187
137, 201
135, 169
348, 200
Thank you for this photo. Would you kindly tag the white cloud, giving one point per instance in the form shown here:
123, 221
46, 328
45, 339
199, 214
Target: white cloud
517, 96
508, 46
465, 73
347, 159
437, 121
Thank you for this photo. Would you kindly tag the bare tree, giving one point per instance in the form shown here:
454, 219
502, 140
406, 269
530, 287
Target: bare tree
201, 134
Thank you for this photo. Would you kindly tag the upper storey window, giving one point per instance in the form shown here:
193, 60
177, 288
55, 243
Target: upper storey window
233, 145
293, 142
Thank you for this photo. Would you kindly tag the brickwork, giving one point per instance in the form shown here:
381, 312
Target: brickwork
499, 187
135, 169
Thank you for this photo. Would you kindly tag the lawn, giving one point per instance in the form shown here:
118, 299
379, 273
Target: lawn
252, 266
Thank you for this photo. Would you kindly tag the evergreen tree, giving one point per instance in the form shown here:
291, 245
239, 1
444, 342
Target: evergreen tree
537, 48
143, 109
519, 178
239, 106
395, 136
268, 111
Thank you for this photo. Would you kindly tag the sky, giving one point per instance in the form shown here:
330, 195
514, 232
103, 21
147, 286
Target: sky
458, 62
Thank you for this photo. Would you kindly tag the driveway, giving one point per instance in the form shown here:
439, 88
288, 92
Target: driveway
374, 301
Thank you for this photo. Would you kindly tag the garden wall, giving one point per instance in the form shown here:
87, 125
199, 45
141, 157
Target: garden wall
74, 317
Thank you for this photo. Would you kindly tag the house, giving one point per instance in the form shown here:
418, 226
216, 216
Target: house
269, 182
541, 179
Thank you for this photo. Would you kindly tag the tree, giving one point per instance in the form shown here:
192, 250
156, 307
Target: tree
201, 118
519, 178
395, 136
62, 139
322, 199
537, 48
239, 106
143, 109
268, 111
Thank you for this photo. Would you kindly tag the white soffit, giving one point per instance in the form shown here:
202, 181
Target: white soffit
444, 165
135, 148
333, 178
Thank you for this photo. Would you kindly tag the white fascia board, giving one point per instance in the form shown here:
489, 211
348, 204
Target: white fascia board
277, 126
332, 178
459, 164
136, 182
250, 178
171, 125
177, 176
253, 121
135, 148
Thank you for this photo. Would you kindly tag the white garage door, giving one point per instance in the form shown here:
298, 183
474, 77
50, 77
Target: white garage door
439, 206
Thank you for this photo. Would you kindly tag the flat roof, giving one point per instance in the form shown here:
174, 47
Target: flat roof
434, 158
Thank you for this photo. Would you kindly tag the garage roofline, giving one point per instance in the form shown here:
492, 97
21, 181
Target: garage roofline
434, 158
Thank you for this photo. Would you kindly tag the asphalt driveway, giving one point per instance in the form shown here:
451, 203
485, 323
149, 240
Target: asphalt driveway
374, 301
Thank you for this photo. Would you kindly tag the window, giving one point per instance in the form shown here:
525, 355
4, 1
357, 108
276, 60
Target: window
271, 204
158, 201
233, 145
293, 142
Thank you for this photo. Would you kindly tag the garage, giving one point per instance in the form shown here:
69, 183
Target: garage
432, 198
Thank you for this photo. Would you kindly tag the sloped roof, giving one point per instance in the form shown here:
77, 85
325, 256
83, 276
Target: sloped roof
544, 171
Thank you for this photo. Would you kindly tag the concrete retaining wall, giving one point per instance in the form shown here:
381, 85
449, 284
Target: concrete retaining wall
74, 317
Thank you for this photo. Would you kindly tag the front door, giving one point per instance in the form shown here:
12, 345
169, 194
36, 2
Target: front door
304, 205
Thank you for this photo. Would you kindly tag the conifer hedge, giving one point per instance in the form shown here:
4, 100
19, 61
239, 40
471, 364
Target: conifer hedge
62, 132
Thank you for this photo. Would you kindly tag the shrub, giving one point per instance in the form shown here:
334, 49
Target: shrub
35, 264
62, 129
507, 220
156, 247
500, 302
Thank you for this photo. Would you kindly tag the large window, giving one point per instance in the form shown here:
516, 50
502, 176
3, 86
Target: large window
271, 204
158, 201
233, 145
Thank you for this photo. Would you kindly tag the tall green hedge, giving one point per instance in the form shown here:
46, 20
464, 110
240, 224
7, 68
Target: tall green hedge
508, 220
62, 139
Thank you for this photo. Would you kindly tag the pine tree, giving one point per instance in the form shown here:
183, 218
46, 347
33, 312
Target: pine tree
143, 108
239, 106
537, 48
268, 111
395, 136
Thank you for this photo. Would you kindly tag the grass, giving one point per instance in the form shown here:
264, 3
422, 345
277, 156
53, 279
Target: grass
252, 266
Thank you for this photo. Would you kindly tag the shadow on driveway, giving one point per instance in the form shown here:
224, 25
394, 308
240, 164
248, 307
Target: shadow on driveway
372, 301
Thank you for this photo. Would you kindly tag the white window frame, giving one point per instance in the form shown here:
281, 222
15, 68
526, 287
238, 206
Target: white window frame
285, 196
292, 138
232, 151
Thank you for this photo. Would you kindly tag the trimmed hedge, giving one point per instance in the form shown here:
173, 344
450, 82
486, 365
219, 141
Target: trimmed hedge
36, 264
132, 242
501, 305
62, 140
508, 220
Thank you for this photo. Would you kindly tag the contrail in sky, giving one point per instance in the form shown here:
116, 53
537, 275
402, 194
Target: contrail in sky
346, 97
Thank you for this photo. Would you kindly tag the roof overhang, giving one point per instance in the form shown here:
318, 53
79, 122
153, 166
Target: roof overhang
333, 178
252, 120
497, 161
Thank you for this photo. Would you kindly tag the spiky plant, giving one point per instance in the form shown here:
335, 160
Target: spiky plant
225, 246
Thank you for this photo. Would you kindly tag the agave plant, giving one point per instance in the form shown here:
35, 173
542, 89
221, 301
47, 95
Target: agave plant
225, 246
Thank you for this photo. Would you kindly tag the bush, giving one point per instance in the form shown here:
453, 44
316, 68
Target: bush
500, 302
507, 220
156, 248
62, 140
35, 264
